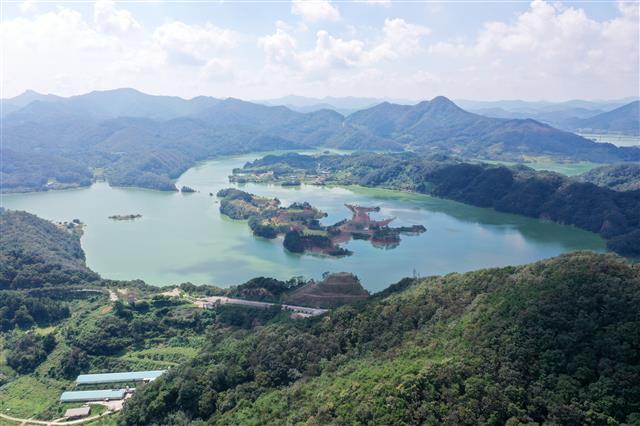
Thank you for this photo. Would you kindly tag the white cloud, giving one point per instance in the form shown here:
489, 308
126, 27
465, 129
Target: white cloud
193, 44
333, 53
110, 19
545, 51
217, 70
69, 54
550, 49
61, 46
400, 39
315, 10
426, 77
29, 6
51, 30
386, 3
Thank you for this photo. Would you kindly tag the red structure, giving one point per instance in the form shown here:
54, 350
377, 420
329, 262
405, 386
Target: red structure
361, 216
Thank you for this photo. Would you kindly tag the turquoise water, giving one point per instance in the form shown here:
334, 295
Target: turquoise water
183, 237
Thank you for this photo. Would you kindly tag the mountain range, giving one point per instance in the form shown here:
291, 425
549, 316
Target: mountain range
344, 105
574, 116
146, 141
565, 115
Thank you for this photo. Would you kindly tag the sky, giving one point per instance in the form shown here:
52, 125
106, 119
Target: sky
539, 50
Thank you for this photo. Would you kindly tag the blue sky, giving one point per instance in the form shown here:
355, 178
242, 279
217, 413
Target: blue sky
378, 48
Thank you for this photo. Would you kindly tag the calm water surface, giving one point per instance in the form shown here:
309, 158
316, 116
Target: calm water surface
183, 237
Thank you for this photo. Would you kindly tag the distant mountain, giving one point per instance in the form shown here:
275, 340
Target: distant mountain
534, 107
144, 140
118, 103
29, 96
619, 116
555, 118
13, 104
440, 125
343, 105
625, 119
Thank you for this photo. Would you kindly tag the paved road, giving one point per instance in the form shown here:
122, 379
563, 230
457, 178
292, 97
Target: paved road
221, 300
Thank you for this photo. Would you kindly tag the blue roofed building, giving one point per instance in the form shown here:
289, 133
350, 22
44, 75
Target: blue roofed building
123, 377
93, 395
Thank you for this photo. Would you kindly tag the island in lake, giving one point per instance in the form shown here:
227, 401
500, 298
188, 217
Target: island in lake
125, 216
300, 224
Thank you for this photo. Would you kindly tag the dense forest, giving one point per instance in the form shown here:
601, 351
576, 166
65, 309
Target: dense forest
619, 177
553, 342
134, 139
24, 311
38, 253
615, 215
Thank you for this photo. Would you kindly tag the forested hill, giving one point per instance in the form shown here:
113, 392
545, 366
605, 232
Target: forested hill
546, 195
37, 253
620, 177
146, 141
554, 342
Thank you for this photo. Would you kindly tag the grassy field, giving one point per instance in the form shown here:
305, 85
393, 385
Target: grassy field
542, 163
28, 396
162, 356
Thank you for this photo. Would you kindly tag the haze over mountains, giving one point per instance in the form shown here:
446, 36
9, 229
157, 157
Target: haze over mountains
575, 115
344, 105
144, 140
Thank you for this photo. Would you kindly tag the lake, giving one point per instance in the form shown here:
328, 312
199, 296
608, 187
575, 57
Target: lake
612, 138
183, 237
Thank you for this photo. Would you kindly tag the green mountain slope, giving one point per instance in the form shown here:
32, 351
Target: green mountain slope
621, 177
552, 342
37, 253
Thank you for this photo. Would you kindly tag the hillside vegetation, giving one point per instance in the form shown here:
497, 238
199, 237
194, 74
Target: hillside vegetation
553, 342
147, 141
620, 177
37, 253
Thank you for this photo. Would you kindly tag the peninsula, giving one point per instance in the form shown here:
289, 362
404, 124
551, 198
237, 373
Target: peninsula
300, 224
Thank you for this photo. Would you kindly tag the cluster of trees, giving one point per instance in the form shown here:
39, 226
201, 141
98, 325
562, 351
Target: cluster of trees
297, 242
620, 177
37, 253
551, 342
23, 311
265, 289
28, 351
239, 205
130, 326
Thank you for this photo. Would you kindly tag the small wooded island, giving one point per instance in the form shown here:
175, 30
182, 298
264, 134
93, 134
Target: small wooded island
300, 224
125, 216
